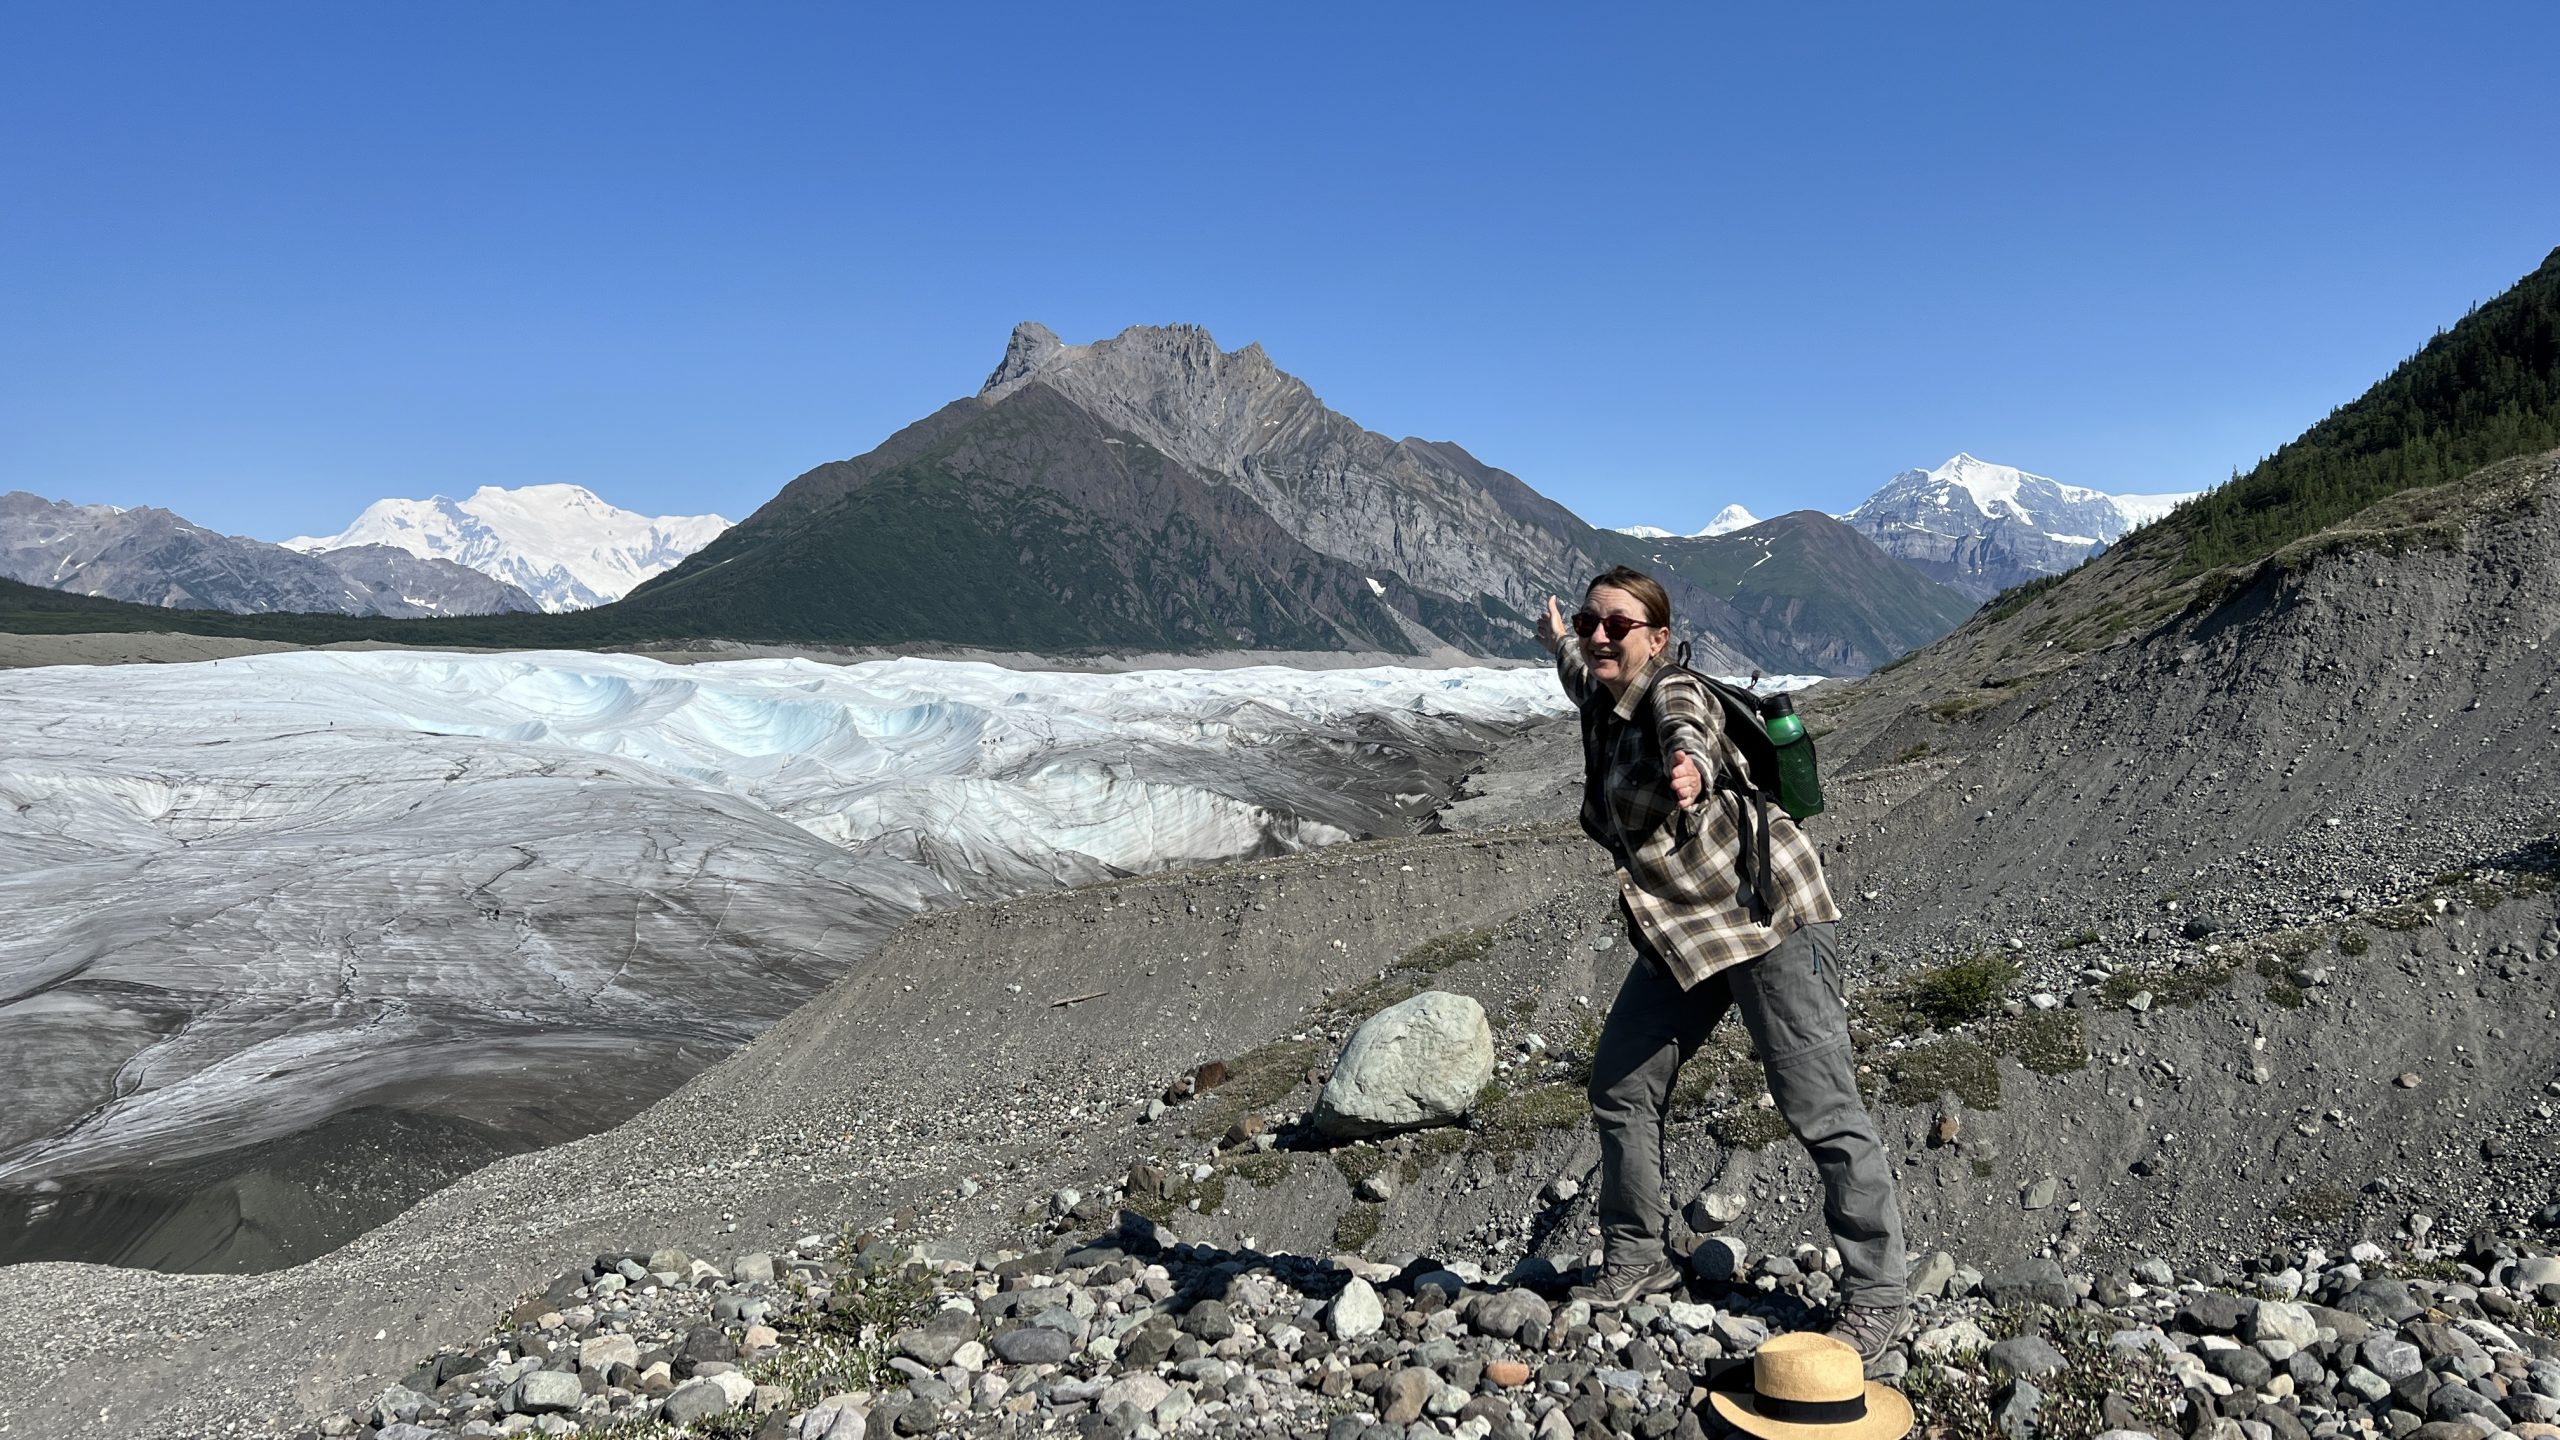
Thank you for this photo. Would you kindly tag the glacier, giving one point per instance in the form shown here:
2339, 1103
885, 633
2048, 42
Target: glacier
298, 937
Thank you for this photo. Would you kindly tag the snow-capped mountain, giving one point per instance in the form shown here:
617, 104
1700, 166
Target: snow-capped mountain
1728, 520
560, 544
1980, 527
153, 557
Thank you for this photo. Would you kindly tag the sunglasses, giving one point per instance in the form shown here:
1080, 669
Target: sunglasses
1586, 624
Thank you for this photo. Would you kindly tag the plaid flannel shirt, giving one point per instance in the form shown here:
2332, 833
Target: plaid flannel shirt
1686, 879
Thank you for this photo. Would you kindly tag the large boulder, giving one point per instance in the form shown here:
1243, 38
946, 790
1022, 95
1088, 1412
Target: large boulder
1418, 1062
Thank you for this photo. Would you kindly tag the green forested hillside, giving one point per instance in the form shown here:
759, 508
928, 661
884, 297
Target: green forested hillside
2484, 391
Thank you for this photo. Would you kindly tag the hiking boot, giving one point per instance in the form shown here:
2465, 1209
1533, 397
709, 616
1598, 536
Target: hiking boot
1870, 1330
1618, 1285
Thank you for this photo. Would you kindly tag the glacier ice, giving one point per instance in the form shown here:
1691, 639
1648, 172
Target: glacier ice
525, 894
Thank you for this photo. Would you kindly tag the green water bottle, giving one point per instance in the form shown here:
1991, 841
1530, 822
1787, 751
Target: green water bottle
1799, 781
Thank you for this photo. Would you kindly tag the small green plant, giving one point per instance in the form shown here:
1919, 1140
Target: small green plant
846, 1343
2048, 1042
2080, 941
2323, 1202
2183, 985
1919, 1075
1265, 1170
1748, 1127
1912, 752
2353, 943
1256, 1080
1358, 1162
1356, 1227
1962, 990
1508, 1123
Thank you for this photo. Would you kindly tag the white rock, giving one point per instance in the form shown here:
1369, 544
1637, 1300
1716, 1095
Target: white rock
1355, 1313
1419, 1062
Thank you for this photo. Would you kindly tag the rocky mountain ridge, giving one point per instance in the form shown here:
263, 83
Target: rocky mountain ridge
150, 556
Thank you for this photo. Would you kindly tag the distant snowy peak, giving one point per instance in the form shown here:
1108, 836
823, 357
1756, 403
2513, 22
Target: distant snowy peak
561, 544
1981, 527
1728, 520
2004, 492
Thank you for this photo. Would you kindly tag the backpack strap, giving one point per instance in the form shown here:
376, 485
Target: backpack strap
1756, 799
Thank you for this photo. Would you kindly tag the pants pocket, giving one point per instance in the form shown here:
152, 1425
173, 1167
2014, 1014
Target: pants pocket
1794, 1007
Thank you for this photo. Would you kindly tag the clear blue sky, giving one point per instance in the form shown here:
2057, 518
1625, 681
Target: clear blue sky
264, 263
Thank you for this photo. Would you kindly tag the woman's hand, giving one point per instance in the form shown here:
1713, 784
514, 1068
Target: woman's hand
1686, 783
1551, 627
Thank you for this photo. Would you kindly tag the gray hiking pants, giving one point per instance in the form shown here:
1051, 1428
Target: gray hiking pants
1792, 1001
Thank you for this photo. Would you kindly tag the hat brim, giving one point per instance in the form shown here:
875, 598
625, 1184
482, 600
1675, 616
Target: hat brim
1888, 1417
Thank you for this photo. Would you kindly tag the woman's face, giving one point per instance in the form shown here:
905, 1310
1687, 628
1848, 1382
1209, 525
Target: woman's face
1614, 663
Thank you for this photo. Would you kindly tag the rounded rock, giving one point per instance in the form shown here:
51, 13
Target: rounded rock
1418, 1062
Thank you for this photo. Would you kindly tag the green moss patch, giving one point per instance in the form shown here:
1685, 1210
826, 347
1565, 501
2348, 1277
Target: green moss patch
2184, 985
2048, 1042
1507, 1123
1256, 1080
1919, 1075
1356, 1227
1749, 1127
2323, 1203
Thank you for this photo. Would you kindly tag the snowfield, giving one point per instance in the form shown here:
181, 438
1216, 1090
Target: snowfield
528, 893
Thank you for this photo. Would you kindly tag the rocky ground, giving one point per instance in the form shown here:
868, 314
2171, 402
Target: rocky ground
1125, 1334
2208, 990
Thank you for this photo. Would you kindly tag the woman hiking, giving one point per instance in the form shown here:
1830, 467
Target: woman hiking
1663, 793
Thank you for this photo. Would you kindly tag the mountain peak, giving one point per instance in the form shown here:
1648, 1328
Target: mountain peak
566, 546
1031, 346
1981, 526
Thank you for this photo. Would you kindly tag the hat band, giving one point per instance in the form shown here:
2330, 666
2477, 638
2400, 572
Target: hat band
1814, 1412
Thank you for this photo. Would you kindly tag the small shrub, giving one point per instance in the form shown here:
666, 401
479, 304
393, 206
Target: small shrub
2079, 941
1964, 990
2353, 943
1911, 753
846, 1345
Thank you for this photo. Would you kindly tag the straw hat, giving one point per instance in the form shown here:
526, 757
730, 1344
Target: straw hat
1811, 1387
